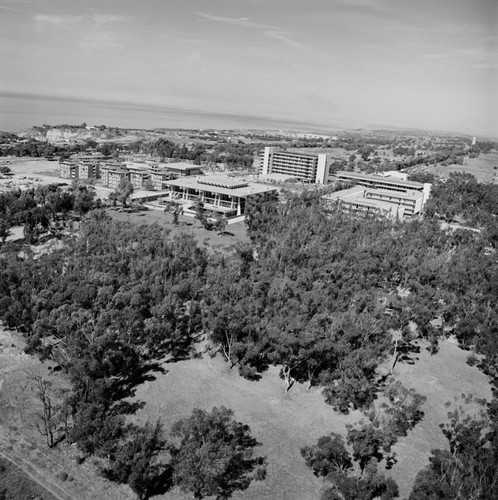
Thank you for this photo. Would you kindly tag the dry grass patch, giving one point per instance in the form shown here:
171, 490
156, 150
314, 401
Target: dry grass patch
483, 168
234, 233
286, 421
282, 421
440, 378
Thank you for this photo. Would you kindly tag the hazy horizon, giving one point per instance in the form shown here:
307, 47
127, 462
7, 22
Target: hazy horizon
21, 110
321, 64
49, 110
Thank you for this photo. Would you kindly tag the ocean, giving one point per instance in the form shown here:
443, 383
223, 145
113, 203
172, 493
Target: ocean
18, 112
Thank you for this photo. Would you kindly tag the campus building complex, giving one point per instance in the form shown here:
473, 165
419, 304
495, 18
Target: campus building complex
379, 195
306, 167
142, 175
219, 194
81, 166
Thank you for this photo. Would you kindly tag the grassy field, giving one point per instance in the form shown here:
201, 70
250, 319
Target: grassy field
233, 234
15, 484
441, 378
55, 469
286, 421
282, 421
483, 168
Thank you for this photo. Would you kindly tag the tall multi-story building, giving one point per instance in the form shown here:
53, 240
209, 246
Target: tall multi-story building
307, 167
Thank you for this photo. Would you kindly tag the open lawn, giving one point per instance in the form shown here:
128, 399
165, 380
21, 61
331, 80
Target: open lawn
483, 168
39, 472
282, 421
233, 234
15, 484
286, 421
440, 378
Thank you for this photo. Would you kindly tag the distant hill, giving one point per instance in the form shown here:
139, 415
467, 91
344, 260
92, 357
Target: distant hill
7, 136
64, 134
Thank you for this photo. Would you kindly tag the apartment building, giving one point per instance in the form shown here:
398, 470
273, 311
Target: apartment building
307, 167
81, 166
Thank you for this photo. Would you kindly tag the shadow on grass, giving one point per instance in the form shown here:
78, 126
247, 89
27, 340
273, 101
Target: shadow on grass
161, 483
407, 353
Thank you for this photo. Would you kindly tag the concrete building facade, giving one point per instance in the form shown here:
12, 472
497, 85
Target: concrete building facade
146, 175
81, 166
219, 194
307, 167
387, 196
387, 183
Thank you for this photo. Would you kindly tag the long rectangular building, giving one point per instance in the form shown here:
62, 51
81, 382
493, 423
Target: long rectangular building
306, 167
389, 183
388, 196
219, 194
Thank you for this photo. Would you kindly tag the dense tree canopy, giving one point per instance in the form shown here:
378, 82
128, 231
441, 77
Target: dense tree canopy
214, 455
317, 294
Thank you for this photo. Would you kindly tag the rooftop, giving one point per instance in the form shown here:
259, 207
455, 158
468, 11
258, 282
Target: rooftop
379, 178
221, 181
346, 194
356, 195
408, 195
180, 166
239, 186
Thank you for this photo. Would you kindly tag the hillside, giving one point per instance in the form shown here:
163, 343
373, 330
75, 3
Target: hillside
77, 134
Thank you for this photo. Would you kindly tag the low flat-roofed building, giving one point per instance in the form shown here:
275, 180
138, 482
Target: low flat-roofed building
410, 194
219, 194
369, 201
394, 173
181, 169
379, 181
411, 201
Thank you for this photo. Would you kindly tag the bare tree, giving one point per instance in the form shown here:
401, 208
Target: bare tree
52, 420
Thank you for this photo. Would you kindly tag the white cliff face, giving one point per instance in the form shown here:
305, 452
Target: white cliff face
65, 135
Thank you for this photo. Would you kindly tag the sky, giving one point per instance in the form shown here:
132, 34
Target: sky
430, 64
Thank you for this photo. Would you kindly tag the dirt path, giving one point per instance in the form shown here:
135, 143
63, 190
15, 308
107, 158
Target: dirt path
56, 470
34, 473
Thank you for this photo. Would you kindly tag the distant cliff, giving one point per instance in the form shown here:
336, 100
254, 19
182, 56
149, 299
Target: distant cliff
71, 134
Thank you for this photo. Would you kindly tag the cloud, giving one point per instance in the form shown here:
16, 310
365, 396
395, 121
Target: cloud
370, 4
111, 18
99, 41
60, 20
269, 31
48, 21
280, 36
237, 21
188, 41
